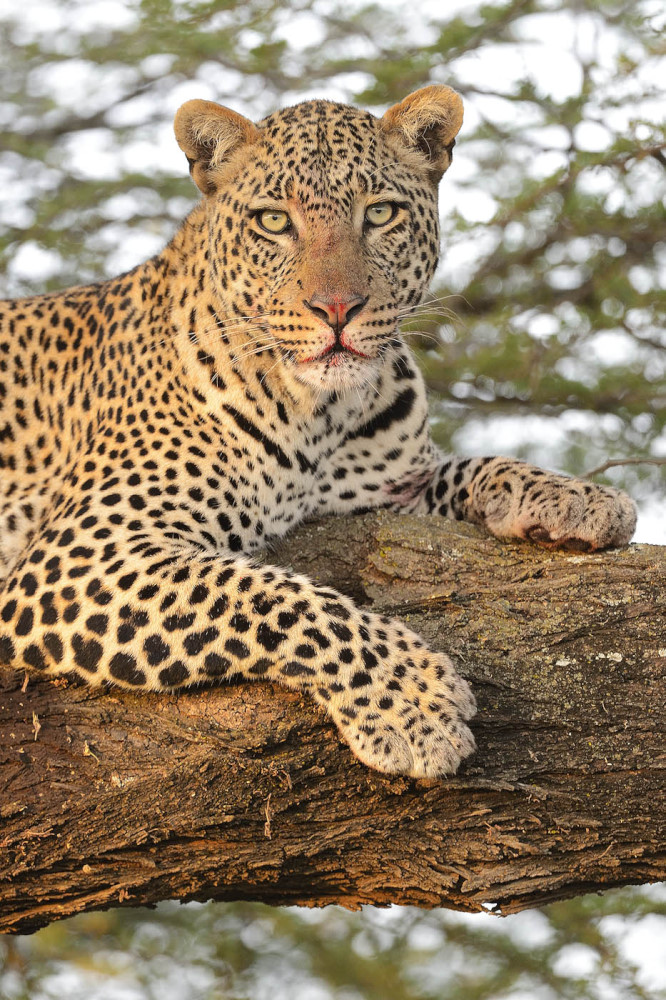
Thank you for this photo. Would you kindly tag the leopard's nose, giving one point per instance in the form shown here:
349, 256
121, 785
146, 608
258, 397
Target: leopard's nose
335, 311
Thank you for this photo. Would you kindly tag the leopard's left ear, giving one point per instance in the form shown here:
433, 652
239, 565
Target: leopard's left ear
428, 121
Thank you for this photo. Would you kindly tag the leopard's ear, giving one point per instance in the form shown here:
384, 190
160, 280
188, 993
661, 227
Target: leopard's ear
428, 121
208, 134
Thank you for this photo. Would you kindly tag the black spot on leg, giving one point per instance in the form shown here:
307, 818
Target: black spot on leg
336, 611
97, 624
34, 657
7, 650
174, 674
87, 653
269, 638
156, 650
216, 665
260, 667
237, 648
306, 651
296, 669
218, 607
240, 623
53, 644
195, 642
176, 623
340, 631
124, 668
71, 612
369, 659
24, 623
9, 611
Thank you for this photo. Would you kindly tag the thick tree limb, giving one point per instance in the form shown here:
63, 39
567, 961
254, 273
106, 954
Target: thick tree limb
246, 791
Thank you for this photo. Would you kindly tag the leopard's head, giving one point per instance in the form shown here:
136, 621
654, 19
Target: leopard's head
322, 222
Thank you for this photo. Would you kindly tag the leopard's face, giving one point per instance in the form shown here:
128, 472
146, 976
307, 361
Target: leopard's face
322, 224
324, 237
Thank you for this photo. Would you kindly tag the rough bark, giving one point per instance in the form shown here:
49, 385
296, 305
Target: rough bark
246, 792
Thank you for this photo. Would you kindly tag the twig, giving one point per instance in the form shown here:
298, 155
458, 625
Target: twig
623, 461
268, 813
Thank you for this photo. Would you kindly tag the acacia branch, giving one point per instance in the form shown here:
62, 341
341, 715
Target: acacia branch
612, 463
245, 791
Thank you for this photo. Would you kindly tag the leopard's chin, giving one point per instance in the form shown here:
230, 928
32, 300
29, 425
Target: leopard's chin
339, 372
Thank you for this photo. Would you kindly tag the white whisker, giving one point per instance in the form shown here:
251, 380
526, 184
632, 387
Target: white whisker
267, 373
235, 358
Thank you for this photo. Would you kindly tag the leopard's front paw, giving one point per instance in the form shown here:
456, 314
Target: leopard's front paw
407, 712
516, 500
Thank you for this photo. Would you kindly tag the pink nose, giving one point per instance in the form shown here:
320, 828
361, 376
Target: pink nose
336, 312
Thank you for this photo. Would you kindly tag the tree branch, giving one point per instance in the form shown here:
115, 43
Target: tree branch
614, 462
246, 792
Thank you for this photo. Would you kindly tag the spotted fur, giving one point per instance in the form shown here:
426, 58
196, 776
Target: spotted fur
157, 429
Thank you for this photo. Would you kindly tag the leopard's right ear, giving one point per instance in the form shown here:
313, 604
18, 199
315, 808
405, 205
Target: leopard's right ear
208, 133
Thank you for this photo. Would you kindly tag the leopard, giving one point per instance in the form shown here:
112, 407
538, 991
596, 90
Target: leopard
160, 430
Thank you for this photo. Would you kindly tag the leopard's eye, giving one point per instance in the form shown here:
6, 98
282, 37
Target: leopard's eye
274, 221
381, 213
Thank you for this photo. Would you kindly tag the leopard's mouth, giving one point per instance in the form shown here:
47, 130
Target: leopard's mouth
335, 354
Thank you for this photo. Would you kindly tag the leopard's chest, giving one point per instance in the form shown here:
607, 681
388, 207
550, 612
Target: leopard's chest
233, 490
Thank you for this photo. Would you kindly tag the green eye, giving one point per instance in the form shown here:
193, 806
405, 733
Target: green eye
274, 221
380, 214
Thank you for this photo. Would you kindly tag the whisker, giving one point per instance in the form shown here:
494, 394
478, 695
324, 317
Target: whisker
428, 310
426, 336
195, 336
235, 358
361, 400
285, 357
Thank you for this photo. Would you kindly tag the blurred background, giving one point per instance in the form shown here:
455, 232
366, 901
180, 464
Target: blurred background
543, 338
